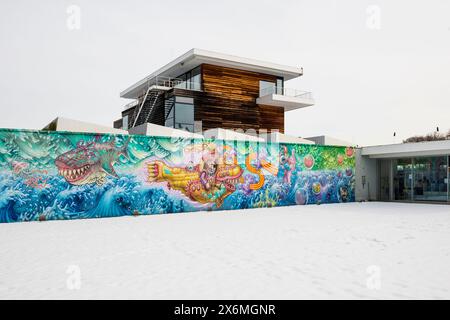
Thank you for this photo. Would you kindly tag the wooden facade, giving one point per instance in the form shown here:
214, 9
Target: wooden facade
228, 100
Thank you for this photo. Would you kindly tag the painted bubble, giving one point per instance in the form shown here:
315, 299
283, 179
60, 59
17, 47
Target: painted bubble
316, 188
308, 161
301, 197
349, 152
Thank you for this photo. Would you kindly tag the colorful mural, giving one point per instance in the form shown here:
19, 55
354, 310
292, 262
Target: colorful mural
61, 175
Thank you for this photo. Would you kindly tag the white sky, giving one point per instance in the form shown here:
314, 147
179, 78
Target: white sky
367, 82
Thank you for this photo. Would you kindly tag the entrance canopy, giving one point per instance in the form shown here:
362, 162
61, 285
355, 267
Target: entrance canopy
417, 149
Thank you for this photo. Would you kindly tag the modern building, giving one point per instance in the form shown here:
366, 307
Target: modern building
203, 90
408, 172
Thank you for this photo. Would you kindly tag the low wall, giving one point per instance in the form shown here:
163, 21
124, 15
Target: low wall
63, 175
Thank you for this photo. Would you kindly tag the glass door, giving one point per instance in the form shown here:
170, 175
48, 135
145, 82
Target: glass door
403, 179
430, 179
448, 179
385, 180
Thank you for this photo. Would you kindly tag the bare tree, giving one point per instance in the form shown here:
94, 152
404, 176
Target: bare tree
435, 136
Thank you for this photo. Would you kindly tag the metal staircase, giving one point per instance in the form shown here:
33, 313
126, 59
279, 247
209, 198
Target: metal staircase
146, 107
150, 101
168, 105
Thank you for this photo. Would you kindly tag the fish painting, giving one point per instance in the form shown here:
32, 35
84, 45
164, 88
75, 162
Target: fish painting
90, 162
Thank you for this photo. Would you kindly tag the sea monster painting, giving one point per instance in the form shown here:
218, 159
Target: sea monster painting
61, 175
90, 162
212, 179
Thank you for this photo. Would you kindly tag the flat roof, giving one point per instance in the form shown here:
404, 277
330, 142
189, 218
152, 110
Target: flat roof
413, 149
196, 57
72, 125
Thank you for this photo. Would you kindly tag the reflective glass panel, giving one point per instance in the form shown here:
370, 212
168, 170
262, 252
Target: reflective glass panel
403, 177
430, 179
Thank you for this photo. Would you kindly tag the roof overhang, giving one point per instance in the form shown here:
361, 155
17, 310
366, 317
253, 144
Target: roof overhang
286, 102
418, 149
196, 57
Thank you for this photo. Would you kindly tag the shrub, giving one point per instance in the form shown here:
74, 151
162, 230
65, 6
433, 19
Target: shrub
435, 136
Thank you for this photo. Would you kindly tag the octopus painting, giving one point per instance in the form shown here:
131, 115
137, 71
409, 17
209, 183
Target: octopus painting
211, 185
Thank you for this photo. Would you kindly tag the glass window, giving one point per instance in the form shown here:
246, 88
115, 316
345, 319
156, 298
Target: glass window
125, 122
196, 78
430, 179
184, 113
188, 80
196, 82
266, 87
169, 123
182, 85
385, 180
403, 179
171, 112
195, 71
170, 119
184, 126
279, 86
181, 116
421, 179
191, 80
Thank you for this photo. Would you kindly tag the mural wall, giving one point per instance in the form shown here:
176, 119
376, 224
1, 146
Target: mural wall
62, 175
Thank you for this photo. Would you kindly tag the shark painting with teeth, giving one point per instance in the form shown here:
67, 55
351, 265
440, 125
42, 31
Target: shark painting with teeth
90, 163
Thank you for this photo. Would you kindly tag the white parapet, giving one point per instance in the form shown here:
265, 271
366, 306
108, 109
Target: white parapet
71, 125
278, 137
151, 129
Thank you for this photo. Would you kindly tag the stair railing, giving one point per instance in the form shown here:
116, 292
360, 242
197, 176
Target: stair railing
142, 105
155, 99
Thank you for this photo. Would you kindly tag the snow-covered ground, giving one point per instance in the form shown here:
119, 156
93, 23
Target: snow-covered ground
358, 250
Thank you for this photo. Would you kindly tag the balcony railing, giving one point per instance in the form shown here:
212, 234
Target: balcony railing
168, 83
288, 92
177, 83
131, 104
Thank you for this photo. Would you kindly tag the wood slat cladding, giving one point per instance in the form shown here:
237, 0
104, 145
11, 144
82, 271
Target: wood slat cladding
271, 117
229, 98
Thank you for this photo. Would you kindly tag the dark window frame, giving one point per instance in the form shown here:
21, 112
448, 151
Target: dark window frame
188, 76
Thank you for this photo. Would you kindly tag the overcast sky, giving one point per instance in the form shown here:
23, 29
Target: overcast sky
374, 67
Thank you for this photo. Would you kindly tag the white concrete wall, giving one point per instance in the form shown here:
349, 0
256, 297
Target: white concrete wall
329, 141
232, 135
366, 167
151, 129
71, 125
278, 137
